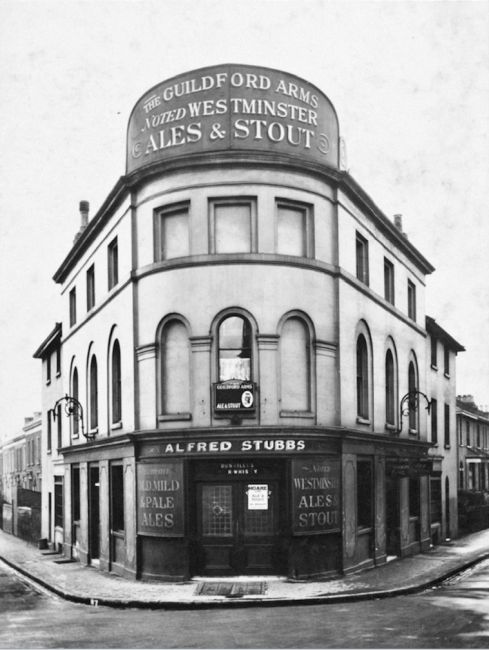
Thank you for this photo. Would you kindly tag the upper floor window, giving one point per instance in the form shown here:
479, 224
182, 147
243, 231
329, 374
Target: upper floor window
90, 287
59, 427
294, 229
467, 433
390, 389
172, 232
48, 367
93, 393
58, 361
116, 397
388, 281
295, 366
434, 421
232, 225
362, 378
235, 348
113, 263
447, 425
49, 434
362, 258
175, 369
434, 352
446, 360
73, 306
75, 393
411, 297
413, 401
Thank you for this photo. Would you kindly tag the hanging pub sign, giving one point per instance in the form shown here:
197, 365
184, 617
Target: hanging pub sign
160, 499
315, 496
234, 397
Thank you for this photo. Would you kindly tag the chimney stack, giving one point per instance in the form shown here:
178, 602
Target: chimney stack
84, 207
398, 224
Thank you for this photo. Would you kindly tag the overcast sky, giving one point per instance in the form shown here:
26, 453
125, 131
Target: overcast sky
409, 80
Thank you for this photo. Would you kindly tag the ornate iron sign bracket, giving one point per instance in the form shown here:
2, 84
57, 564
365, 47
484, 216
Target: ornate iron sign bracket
72, 407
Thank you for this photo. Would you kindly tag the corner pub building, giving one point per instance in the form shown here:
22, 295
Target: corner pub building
241, 324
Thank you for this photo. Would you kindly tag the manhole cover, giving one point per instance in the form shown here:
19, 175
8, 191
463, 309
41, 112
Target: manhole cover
231, 589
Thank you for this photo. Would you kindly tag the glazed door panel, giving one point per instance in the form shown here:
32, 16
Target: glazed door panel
238, 527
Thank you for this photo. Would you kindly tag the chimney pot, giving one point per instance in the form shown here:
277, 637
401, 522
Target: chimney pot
398, 221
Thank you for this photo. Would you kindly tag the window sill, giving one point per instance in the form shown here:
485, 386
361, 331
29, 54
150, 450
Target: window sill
48, 382
173, 417
93, 432
363, 420
447, 375
58, 374
116, 425
390, 427
434, 367
413, 432
447, 446
296, 414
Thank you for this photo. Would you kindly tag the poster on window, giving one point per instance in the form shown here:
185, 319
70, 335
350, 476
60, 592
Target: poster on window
160, 499
316, 495
257, 497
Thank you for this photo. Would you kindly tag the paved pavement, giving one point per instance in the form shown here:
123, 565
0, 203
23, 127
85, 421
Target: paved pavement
88, 585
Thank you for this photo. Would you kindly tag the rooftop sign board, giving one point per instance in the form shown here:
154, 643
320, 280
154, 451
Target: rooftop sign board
232, 107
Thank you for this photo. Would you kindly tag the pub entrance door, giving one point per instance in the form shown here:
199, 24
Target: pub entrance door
238, 527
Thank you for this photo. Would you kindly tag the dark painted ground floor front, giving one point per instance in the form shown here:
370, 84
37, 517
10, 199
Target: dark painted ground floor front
302, 503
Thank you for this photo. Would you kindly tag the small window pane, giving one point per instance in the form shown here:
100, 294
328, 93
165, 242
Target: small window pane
74, 392
362, 378
389, 281
217, 511
291, 231
93, 394
175, 369
362, 259
295, 366
113, 263
390, 405
232, 224
235, 349
116, 383
174, 234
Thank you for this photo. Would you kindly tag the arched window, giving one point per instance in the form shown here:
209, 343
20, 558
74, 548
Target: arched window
413, 401
234, 341
93, 393
175, 368
390, 388
75, 393
362, 378
295, 365
116, 395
